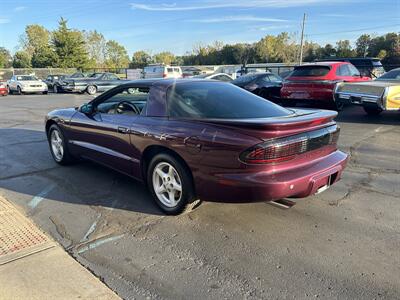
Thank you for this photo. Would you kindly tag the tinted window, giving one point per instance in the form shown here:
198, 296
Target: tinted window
219, 101
263, 79
170, 70
313, 71
274, 78
112, 77
224, 78
26, 77
244, 79
394, 74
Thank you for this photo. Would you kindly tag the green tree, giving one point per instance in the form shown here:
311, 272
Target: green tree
36, 42
164, 57
140, 59
5, 58
362, 45
69, 46
21, 59
96, 48
116, 55
343, 49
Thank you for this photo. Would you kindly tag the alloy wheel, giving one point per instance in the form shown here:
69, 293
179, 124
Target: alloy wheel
167, 184
57, 145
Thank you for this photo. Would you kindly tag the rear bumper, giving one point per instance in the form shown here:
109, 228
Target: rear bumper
268, 186
325, 95
361, 100
3, 92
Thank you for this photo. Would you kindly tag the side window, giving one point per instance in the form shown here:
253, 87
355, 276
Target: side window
343, 70
48, 78
130, 101
224, 78
112, 77
105, 77
264, 79
353, 71
274, 78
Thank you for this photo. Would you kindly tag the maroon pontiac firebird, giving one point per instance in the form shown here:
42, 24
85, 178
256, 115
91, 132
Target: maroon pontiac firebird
201, 139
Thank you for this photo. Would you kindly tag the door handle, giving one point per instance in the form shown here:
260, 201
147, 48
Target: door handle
123, 130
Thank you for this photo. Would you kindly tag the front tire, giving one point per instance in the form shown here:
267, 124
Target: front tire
372, 111
91, 90
19, 91
170, 184
44, 93
58, 146
55, 89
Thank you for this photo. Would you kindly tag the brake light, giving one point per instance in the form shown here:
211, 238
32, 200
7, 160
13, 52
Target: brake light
287, 148
164, 75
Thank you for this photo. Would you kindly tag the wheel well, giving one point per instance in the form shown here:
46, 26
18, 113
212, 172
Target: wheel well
152, 151
48, 124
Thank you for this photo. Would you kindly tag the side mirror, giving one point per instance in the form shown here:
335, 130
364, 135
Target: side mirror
86, 108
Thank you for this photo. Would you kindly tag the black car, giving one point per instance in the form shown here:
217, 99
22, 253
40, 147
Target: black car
53, 81
97, 82
266, 85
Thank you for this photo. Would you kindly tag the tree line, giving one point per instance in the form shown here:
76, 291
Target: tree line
70, 48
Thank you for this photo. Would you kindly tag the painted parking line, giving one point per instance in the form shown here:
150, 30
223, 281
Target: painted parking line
91, 229
99, 242
41, 196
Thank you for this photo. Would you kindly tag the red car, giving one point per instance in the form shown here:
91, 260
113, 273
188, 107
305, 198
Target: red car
201, 139
317, 81
3, 89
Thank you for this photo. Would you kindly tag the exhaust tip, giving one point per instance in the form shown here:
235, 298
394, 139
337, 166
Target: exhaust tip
282, 203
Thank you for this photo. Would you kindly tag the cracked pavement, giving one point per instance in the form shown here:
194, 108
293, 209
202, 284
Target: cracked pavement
341, 244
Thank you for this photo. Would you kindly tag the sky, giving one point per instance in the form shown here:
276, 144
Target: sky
177, 25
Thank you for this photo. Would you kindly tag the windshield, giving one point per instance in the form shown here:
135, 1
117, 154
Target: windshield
26, 78
219, 101
391, 75
96, 75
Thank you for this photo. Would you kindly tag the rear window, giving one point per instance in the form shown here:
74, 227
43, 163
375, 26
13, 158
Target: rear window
245, 79
313, 71
170, 70
217, 100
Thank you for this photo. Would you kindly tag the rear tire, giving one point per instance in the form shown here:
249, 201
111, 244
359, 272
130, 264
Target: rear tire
55, 89
19, 92
372, 111
59, 146
91, 89
44, 93
170, 184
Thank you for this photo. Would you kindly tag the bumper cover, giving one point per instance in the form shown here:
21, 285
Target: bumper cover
266, 186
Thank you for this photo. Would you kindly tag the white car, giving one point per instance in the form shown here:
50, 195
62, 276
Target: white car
215, 76
26, 84
162, 71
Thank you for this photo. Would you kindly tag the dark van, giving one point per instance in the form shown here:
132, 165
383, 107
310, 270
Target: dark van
368, 66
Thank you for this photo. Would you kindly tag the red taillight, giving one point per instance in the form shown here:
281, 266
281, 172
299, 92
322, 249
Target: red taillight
283, 149
164, 75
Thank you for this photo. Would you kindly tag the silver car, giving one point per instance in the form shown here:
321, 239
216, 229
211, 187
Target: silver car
26, 84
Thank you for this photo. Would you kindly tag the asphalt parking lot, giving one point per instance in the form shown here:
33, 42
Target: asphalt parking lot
341, 244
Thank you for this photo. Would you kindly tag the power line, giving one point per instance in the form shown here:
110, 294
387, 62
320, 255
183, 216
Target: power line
354, 30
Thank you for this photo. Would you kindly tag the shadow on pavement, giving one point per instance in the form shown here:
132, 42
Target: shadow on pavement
26, 167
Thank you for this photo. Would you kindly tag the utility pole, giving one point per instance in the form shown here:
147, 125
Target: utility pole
302, 39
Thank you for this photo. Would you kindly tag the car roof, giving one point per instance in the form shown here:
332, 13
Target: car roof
164, 82
323, 63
